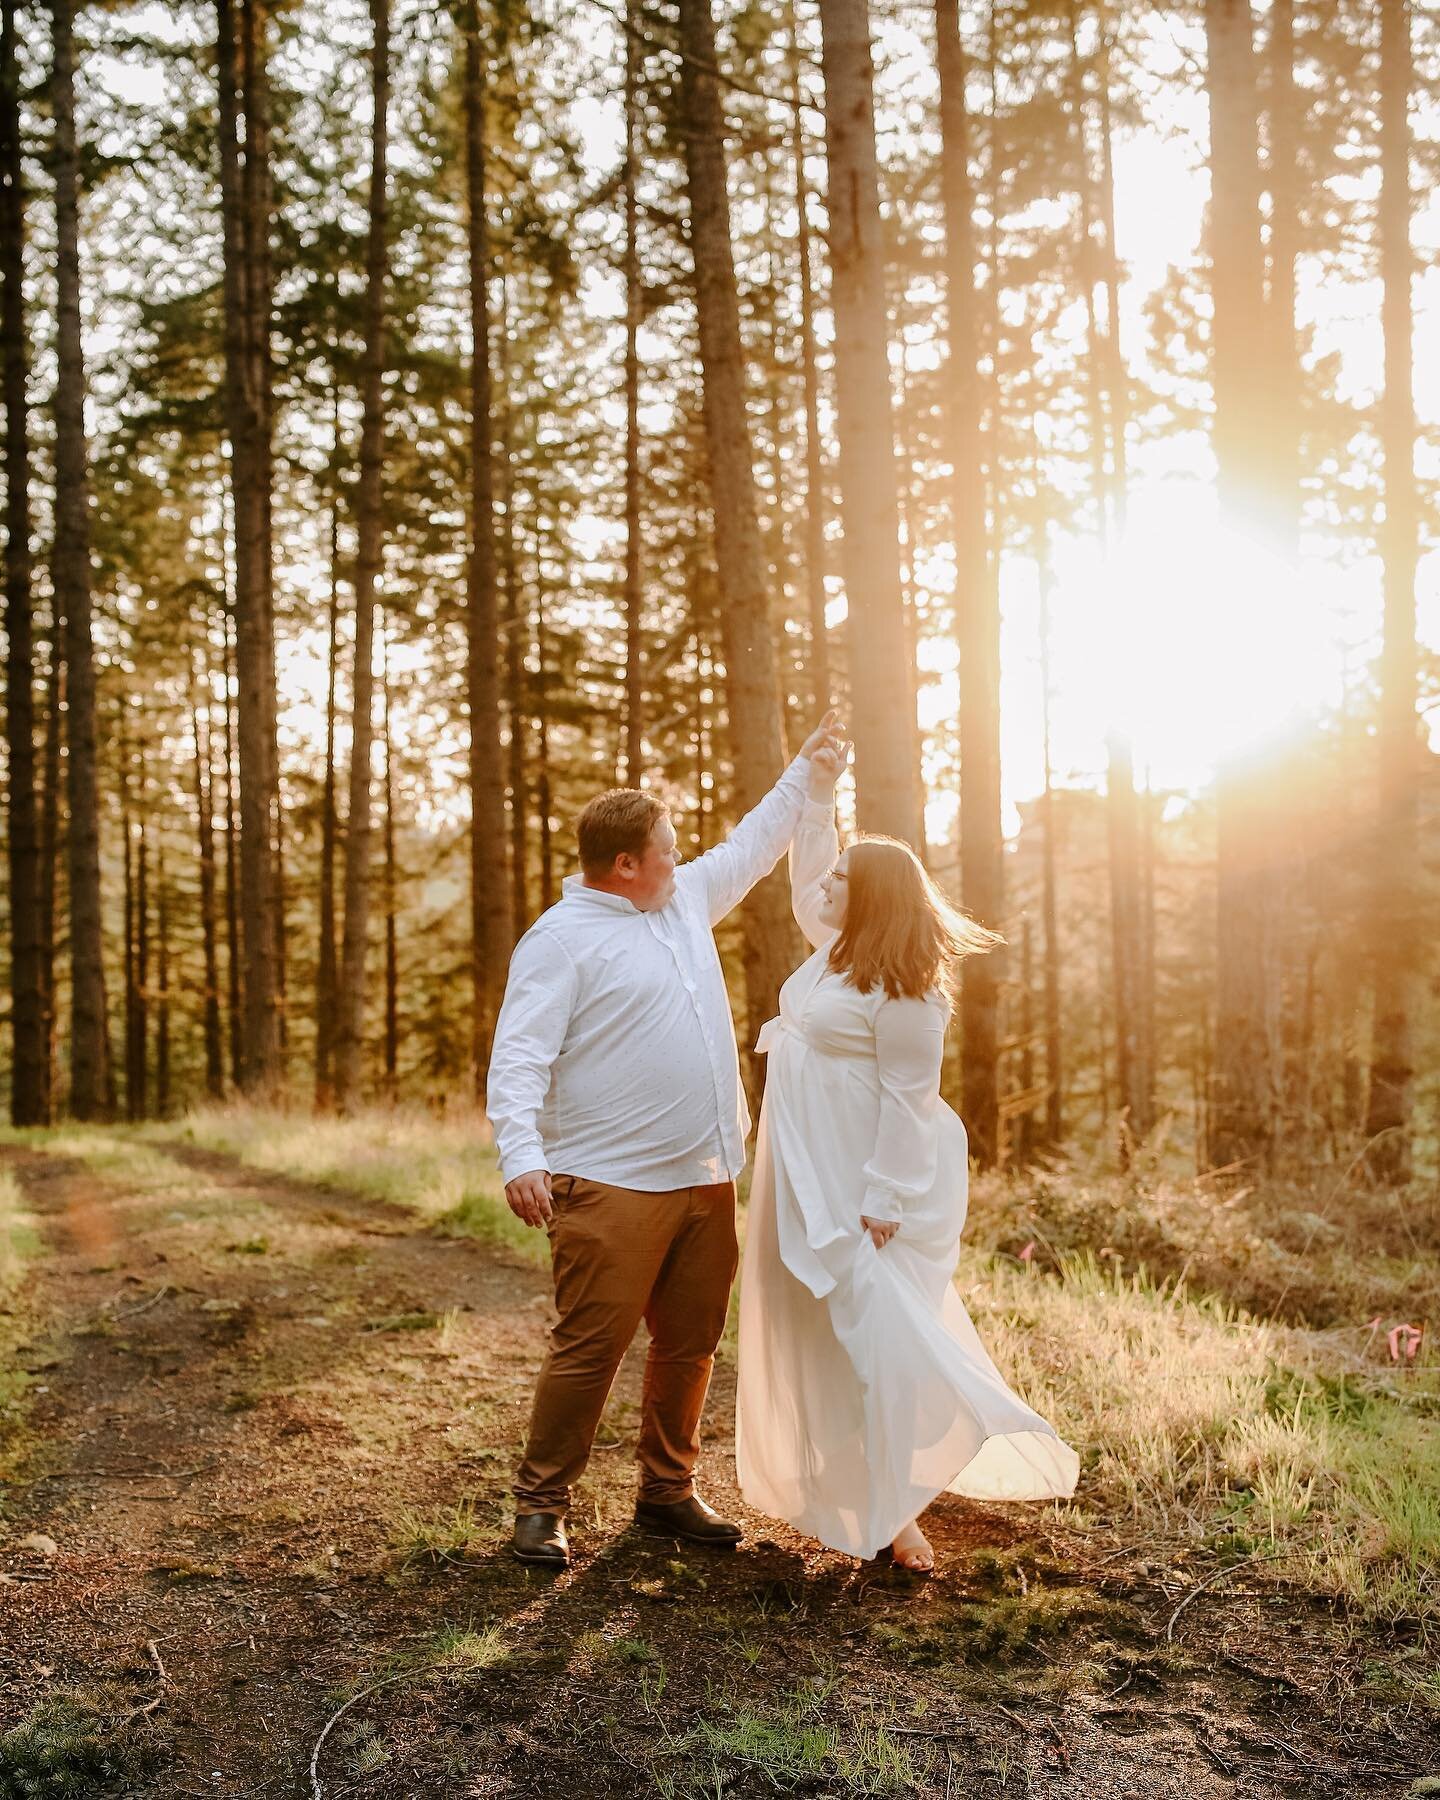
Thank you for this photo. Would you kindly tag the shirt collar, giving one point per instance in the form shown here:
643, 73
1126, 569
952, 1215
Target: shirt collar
573, 888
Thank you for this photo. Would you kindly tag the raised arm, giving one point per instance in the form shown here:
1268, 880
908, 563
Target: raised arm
539, 999
727, 873
909, 1044
813, 852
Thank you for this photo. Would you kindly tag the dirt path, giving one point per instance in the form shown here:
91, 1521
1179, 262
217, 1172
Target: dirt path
270, 1434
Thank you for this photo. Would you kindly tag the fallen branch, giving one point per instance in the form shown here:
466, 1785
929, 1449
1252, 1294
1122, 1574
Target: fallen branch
1219, 1575
165, 1683
316, 1790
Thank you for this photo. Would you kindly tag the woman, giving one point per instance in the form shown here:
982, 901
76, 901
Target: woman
864, 1389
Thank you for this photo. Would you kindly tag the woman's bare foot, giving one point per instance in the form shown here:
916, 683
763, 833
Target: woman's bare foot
912, 1550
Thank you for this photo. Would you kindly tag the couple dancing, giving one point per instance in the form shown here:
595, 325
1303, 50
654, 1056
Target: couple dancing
615, 1094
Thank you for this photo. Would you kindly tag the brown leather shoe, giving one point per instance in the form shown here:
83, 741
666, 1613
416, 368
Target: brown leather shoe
690, 1519
539, 1538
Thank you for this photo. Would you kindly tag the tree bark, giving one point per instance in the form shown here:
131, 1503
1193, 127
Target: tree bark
753, 700
1049, 897
205, 832
89, 1039
492, 926
1395, 907
977, 611
634, 315
325, 975
821, 677
30, 1072
888, 794
390, 886
232, 870
1239, 1110
50, 836
350, 1038
245, 213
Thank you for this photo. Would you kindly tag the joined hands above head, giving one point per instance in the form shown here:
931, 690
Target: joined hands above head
828, 751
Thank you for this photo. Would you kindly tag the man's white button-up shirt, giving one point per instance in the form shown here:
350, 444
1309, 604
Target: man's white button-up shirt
614, 1054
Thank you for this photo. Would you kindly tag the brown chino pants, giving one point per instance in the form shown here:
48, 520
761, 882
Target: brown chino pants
620, 1255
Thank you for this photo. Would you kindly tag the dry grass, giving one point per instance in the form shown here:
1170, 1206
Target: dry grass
439, 1165
1210, 1407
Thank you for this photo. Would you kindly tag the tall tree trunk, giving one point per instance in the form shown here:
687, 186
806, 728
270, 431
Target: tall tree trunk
634, 314
234, 969
162, 980
89, 1038
492, 926
50, 837
514, 624
30, 1074
205, 830
1239, 1112
888, 794
1395, 906
142, 952
1049, 898
753, 700
821, 678
390, 884
977, 611
350, 1038
245, 215
326, 998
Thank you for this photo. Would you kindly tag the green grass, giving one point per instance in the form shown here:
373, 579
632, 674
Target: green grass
1199, 1422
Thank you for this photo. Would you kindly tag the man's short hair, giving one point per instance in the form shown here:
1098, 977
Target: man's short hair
614, 824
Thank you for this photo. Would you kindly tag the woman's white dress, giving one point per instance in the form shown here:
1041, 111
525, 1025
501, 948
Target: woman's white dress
864, 1389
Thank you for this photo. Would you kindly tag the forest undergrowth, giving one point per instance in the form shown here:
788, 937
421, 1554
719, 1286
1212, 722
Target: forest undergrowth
269, 1375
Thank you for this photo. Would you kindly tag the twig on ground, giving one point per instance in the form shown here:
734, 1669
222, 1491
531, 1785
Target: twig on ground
1219, 1575
164, 1681
316, 1791
134, 1312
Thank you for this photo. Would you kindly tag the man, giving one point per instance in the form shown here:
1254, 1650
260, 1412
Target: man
620, 1117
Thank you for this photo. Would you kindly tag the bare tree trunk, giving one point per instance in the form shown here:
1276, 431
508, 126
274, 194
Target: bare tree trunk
888, 794
205, 829
326, 996
1239, 1106
977, 612
50, 837
492, 926
30, 1074
89, 1038
162, 980
350, 1038
245, 212
515, 625
142, 950
821, 678
390, 884
753, 701
234, 969
1049, 902
634, 314
1396, 904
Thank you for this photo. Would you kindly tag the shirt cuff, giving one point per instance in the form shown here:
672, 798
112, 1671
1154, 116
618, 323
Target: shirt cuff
881, 1203
524, 1161
818, 812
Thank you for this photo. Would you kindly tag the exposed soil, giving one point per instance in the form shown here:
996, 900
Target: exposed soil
255, 1403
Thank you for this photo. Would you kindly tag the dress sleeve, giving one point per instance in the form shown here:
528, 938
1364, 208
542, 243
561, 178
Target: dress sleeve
726, 874
813, 851
540, 993
909, 1044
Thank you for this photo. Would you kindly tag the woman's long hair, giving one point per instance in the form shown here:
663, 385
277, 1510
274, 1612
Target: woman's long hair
900, 931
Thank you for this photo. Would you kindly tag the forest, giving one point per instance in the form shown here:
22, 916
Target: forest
421, 415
